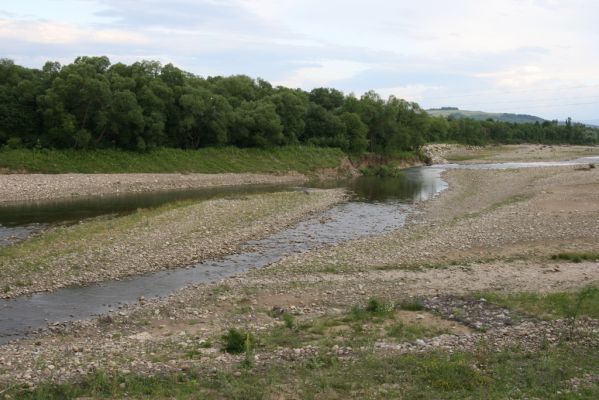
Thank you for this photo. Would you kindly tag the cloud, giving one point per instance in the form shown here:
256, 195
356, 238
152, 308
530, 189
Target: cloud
322, 74
47, 32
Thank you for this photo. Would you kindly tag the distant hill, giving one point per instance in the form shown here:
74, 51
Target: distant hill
482, 116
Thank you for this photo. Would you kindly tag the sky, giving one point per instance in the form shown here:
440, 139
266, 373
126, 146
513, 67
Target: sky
537, 57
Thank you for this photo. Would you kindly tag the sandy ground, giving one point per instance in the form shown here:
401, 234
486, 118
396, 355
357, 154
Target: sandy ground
23, 187
443, 153
491, 231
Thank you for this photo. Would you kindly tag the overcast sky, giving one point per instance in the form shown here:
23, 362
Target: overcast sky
527, 56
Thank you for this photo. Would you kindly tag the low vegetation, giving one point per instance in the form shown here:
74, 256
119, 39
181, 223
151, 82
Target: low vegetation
209, 160
576, 257
556, 305
563, 371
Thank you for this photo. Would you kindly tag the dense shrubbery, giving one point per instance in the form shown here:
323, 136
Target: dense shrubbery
93, 104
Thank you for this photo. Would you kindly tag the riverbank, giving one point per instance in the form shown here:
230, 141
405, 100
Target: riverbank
173, 235
466, 301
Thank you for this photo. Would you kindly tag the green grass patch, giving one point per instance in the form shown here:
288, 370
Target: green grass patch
362, 325
208, 160
584, 302
511, 373
576, 257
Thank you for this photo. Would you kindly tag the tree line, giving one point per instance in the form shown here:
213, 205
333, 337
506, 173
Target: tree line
92, 103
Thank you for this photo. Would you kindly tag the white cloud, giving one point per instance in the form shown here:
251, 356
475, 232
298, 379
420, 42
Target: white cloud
47, 32
415, 93
322, 74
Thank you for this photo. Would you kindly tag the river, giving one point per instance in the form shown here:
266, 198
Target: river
378, 205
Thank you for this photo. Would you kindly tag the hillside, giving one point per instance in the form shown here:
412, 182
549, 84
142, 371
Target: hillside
482, 116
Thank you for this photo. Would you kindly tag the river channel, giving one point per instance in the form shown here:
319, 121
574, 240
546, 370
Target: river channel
378, 205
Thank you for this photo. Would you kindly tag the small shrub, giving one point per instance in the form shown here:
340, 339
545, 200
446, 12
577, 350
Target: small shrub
592, 165
237, 342
411, 305
382, 171
373, 308
289, 320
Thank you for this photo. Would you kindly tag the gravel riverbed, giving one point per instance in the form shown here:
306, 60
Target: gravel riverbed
491, 231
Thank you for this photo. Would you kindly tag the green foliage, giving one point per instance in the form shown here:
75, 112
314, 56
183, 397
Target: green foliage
576, 257
207, 160
411, 305
289, 320
91, 104
237, 341
373, 308
552, 305
382, 171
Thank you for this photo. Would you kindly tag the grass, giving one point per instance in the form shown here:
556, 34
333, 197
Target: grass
576, 257
511, 373
208, 160
583, 302
362, 325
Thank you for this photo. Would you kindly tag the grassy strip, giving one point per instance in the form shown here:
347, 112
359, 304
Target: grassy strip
208, 160
576, 257
584, 302
511, 373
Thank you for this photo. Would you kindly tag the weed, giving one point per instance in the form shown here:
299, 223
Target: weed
551, 305
236, 341
411, 305
289, 320
573, 312
576, 257
373, 308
